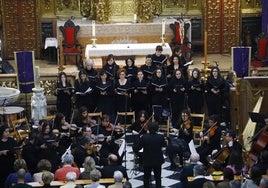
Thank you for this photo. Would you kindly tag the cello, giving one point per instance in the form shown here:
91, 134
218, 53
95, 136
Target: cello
257, 147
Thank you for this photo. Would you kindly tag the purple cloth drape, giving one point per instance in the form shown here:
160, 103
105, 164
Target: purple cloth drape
240, 58
25, 62
264, 16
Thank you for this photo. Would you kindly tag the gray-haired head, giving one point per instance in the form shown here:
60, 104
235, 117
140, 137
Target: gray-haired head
21, 174
264, 183
95, 175
118, 176
89, 62
68, 159
199, 170
71, 176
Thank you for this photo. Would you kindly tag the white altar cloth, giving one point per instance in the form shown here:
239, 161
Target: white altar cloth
138, 49
51, 42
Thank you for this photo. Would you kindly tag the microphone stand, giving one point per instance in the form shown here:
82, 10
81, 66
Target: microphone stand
125, 128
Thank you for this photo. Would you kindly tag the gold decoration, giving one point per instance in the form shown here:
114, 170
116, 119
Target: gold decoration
145, 11
85, 8
102, 8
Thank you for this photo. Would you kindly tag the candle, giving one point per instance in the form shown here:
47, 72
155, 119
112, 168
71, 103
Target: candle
37, 76
163, 27
205, 46
93, 28
61, 52
135, 18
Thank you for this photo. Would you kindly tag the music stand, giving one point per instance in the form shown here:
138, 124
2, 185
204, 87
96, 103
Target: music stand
257, 117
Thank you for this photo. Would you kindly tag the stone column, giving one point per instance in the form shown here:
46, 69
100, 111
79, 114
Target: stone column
38, 104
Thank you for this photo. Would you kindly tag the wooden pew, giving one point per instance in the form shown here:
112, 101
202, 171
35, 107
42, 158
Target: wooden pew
104, 181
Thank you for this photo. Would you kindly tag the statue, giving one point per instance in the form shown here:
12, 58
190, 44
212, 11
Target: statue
38, 104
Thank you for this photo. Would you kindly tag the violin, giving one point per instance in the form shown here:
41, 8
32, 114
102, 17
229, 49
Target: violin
186, 124
144, 126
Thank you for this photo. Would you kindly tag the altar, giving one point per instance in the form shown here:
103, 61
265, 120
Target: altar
139, 49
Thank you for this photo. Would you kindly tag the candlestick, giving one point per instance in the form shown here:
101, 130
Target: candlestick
61, 67
163, 27
93, 28
205, 46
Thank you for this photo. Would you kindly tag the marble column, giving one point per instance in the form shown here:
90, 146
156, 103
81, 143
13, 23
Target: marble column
38, 105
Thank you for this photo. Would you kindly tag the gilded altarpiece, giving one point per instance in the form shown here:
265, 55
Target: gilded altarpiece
20, 18
222, 23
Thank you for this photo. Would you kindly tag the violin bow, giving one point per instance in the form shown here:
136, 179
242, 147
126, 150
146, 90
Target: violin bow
146, 123
114, 125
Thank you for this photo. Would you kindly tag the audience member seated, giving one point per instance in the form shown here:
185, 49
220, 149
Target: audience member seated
199, 177
228, 176
127, 184
42, 166
47, 178
95, 176
255, 175
108, 171
12, 177
118, 178
21, 179
88, 165
187, 170
68, 160
70, 178
209, 184
264, 183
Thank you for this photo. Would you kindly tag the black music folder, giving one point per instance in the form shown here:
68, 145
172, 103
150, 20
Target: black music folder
258, 117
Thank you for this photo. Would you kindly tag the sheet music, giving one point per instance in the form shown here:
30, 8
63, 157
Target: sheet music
122, 148
191, 146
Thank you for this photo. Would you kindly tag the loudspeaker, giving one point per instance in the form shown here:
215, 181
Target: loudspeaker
7, 68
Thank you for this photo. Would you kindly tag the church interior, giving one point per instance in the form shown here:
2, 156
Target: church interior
232, 35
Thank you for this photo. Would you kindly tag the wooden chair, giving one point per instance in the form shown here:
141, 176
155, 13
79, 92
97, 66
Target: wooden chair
70, 44
96, 116
21, 129
129, 117
198, 120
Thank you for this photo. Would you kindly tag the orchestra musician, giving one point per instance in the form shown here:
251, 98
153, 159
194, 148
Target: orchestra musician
47, 145
64, 92
106, 134
212, 137
184, 134
81, 151
7, 151
139, 128
66, 131
83, 119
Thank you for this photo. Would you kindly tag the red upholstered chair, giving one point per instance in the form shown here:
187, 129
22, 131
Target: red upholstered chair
70, 44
